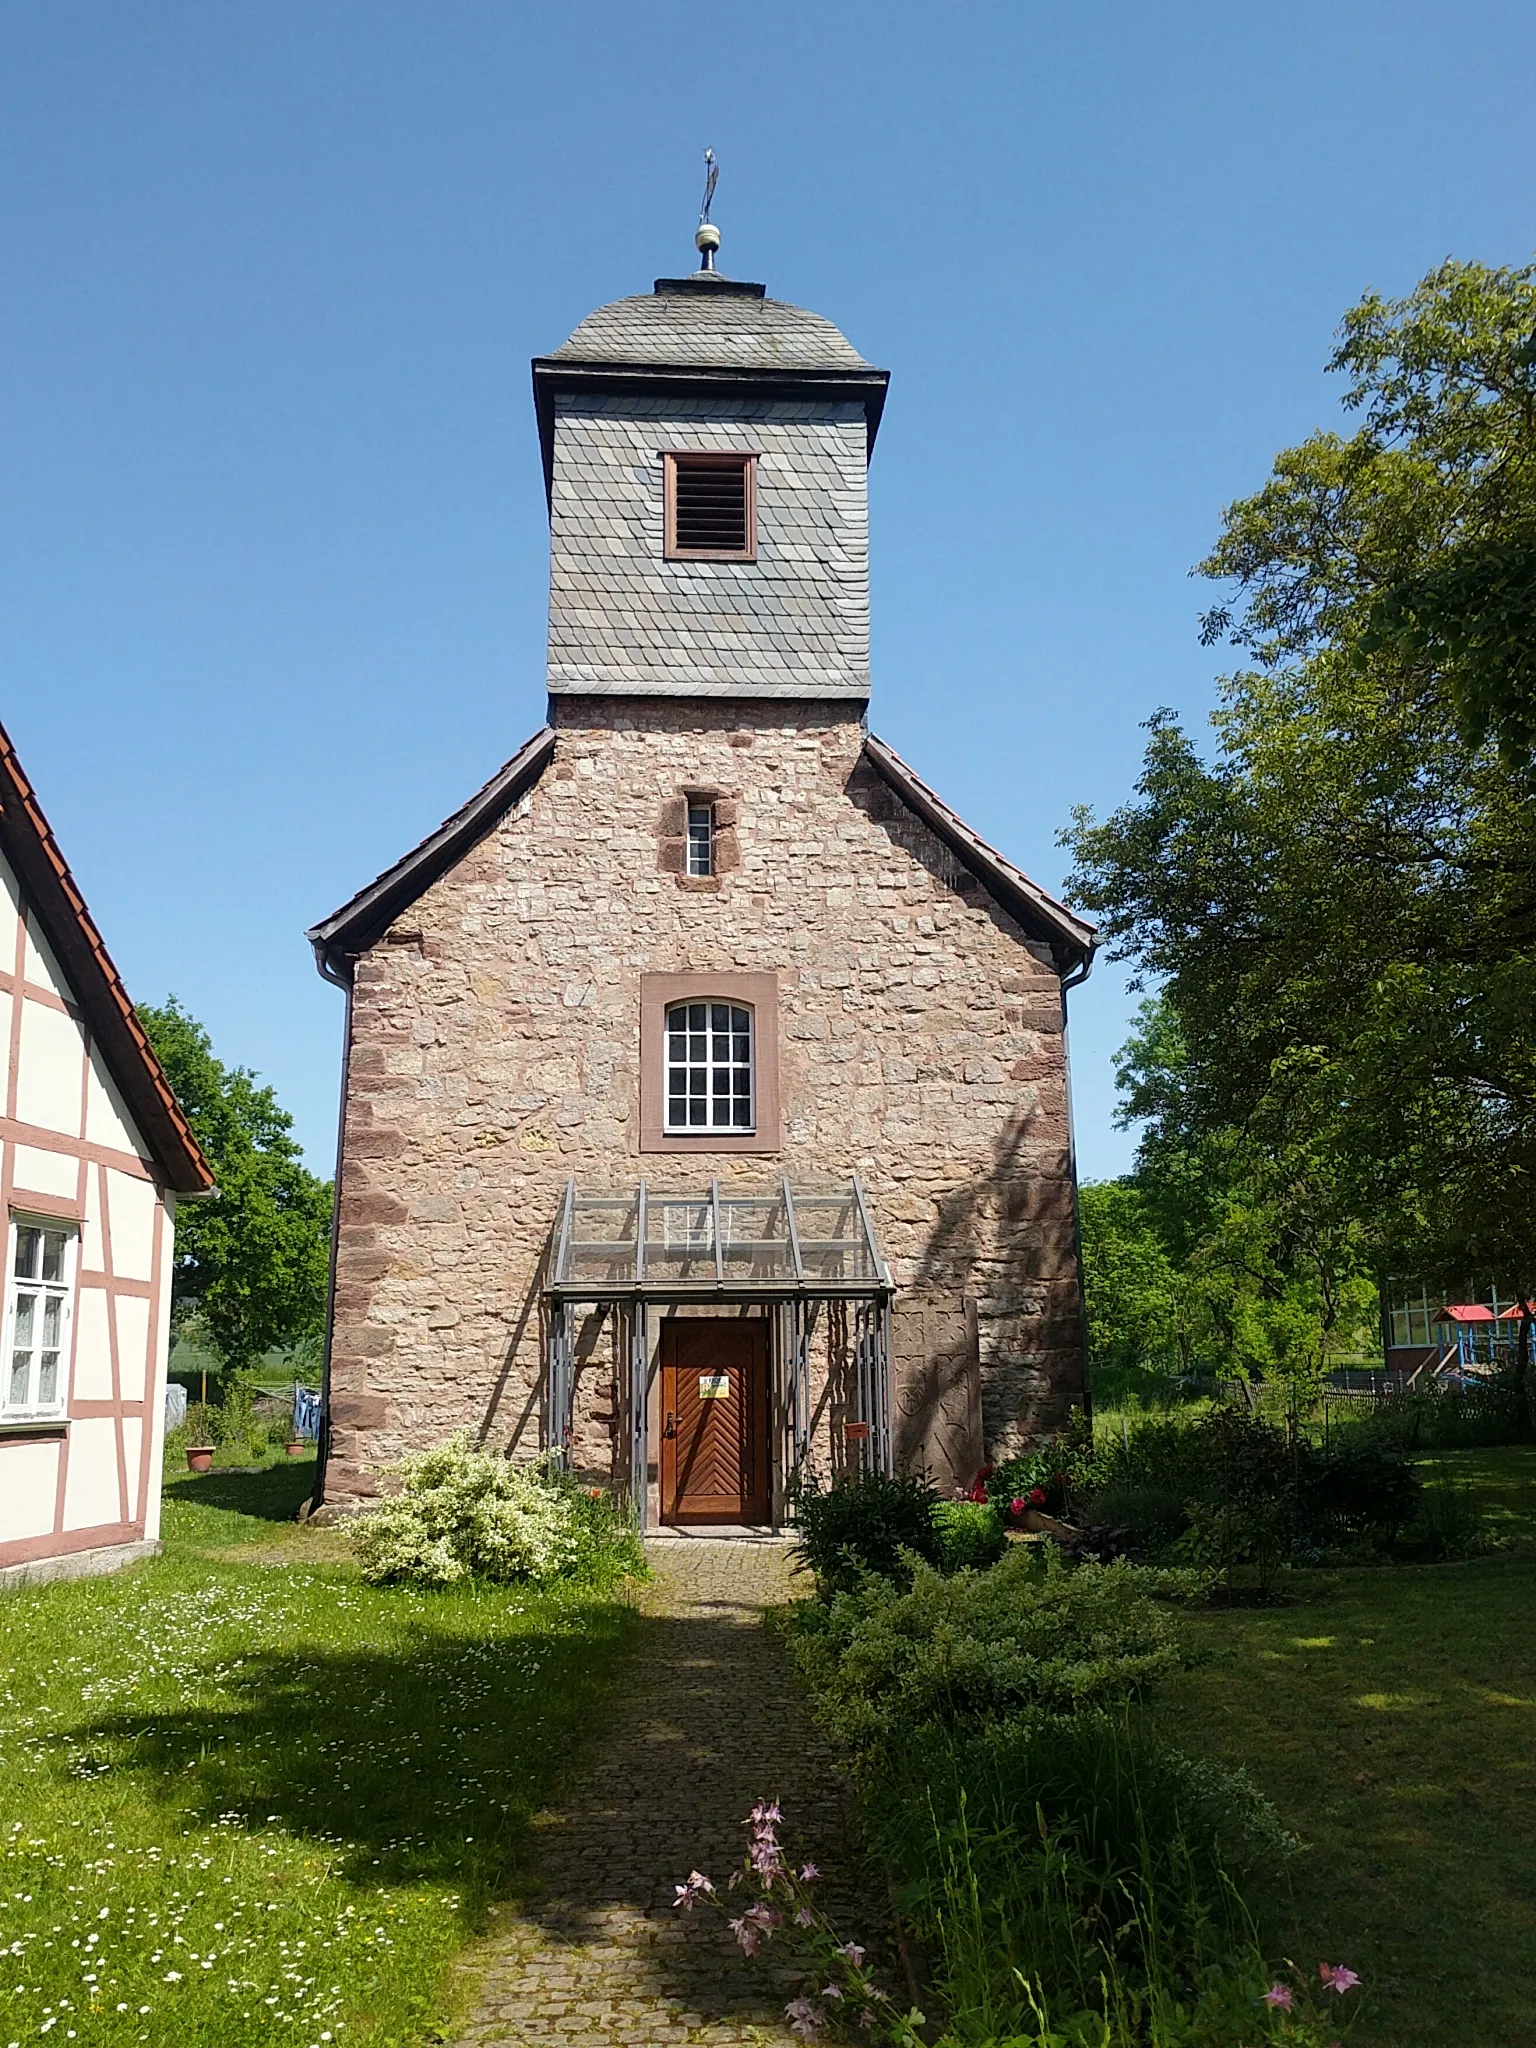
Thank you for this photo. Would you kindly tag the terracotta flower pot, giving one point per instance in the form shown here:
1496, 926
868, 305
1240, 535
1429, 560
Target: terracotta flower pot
199, 1457
295, 1447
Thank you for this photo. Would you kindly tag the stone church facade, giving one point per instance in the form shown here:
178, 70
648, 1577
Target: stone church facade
705, 1100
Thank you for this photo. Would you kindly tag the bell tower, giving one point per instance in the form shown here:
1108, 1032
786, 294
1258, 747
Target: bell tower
706, 453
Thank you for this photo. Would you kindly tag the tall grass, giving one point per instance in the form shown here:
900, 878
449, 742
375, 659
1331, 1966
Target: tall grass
1074, 1869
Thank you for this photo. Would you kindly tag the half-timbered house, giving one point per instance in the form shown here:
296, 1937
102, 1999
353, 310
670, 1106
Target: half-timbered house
94, 1153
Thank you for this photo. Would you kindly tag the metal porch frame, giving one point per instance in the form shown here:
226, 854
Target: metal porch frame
795, 1276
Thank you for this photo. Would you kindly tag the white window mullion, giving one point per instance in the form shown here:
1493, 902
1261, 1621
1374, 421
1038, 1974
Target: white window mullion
39, 1316
709, 1078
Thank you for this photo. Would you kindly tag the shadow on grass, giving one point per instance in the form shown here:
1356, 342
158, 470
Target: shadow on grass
273, 1495
420, 1759
428, 1762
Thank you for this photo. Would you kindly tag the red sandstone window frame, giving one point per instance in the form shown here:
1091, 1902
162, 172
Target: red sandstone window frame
709, 458
758, 993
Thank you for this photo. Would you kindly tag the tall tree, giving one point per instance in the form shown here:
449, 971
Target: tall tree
252, 1260
1341, 905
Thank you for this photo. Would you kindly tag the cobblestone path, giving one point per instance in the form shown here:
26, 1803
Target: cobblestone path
706, 1719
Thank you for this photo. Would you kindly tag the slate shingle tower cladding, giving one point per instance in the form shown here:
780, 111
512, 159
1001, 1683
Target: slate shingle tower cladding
496, 1049
704, 363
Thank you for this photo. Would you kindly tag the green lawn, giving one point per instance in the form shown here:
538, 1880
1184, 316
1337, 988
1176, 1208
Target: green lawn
1391, 1716
249, 1799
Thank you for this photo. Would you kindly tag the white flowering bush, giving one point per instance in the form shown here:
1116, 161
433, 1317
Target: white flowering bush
467, 1514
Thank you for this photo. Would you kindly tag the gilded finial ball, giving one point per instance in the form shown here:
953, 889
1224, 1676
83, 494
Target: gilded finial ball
708, 237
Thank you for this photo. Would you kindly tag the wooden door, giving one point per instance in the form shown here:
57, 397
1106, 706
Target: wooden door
714, 1439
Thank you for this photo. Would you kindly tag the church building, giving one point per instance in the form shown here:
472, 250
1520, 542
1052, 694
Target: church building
705, 1102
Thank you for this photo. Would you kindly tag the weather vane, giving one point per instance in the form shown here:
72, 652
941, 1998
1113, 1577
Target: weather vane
707, 240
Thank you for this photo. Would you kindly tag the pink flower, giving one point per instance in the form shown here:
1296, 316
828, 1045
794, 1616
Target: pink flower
1016, 1506
852, 1951
831, 1991
809, 1873
697, 1884
765, 1814
1338, 1977
805, 2019
749, 1937
805, 1917
1278, 1998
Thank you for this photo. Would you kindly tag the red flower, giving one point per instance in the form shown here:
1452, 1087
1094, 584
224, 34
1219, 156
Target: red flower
1058, 1479
1037, 1496
1015, 1507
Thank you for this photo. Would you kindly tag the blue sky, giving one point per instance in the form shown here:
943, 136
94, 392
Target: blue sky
273, 563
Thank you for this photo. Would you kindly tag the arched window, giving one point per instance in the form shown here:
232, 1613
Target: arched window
708, 1054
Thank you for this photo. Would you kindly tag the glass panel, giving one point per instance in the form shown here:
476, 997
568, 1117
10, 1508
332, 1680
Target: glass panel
53, 1255
28, 1246
53, 1316
17, 1393
48, 1378
26, 1308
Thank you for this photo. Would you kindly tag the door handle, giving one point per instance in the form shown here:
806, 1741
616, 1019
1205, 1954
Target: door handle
671, 1428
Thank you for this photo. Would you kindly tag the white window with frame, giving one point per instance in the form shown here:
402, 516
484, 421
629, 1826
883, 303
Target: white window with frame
39, 1316
701, 836
709, 1083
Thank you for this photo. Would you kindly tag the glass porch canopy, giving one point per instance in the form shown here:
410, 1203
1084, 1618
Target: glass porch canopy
781, 1242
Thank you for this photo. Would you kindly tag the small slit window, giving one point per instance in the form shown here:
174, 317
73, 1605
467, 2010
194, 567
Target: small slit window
709, 1067
701, 837
711, 507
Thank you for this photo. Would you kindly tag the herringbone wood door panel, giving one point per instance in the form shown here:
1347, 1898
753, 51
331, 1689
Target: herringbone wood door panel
714, 1445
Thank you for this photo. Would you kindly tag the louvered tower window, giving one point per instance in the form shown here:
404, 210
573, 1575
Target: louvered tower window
711, 508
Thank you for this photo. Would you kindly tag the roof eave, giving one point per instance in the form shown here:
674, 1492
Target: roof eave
553, 374
364, 918
1073, 941
51, 890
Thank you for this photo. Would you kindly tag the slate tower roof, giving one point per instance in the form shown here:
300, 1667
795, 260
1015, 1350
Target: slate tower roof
691, 323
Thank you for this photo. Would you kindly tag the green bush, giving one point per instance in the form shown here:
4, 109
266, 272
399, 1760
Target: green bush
868, 1524
1153, 1517
1032, 1636
1230, 1490
462, 1513
1074, 1853
1447, 1521
971, 1534
1359, 1485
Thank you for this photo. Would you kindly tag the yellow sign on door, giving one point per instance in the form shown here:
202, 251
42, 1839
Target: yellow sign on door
714, 1386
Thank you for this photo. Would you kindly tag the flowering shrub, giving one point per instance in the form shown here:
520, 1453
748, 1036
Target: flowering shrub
769, 1901
1030, 1636
462, 1513
776, 1901
1053, 1476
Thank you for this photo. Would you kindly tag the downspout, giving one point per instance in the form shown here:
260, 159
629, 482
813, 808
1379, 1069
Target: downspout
1075, 979
323, 1448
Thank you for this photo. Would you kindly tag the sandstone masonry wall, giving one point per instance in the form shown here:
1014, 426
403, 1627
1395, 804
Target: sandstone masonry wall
494, 1053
